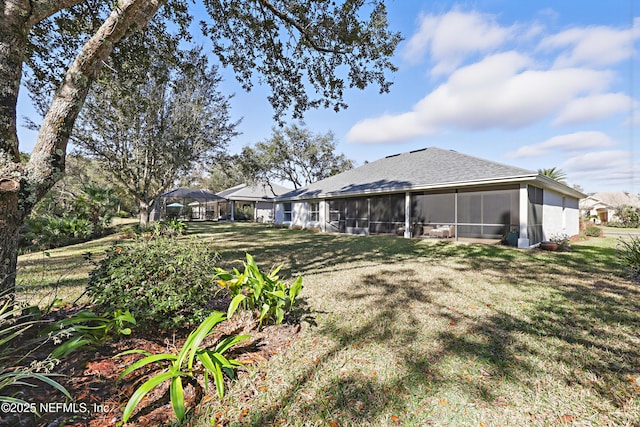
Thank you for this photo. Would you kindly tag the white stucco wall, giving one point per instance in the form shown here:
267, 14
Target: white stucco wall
323, 215
279, 214
560, 215
299, 214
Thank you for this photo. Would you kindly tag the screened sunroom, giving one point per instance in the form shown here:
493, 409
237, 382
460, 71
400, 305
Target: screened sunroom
439, 194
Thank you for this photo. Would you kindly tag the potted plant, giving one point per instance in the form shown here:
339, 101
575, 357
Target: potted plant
557, 242
549, 246
511, 238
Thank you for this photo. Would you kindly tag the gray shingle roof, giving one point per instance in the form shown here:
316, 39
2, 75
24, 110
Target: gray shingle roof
419, 169
190, 193
254, 192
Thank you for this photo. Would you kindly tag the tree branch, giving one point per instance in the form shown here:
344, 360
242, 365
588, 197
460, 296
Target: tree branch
42, 9
305, 34
47, 160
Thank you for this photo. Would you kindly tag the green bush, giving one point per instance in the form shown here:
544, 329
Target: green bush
171, 228
628, 250
593, 231
162, 281
46, 232
263, 293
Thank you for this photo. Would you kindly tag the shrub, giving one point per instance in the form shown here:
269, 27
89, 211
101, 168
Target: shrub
174, 227
593, 231
628, 250
629, 216
48, 232
171, 228
255, 290
162, 281
176, 366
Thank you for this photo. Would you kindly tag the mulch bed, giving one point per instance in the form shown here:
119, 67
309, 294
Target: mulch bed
91, 376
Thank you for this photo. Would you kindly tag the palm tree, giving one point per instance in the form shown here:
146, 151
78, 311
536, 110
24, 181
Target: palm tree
555, 174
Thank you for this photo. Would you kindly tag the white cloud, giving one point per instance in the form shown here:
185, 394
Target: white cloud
501, 91
594, 107
592, 46
389, 128
570, 142
633, 119
604, 170
451, 37
597, 161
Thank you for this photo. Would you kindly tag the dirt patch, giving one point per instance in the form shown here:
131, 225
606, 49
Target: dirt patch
91, 377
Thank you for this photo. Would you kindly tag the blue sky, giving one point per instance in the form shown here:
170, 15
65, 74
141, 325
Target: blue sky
531, 84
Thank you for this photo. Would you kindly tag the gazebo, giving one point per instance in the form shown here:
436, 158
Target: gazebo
189, 204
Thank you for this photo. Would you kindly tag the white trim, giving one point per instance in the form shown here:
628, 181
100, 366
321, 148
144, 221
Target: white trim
523, 239
407, 215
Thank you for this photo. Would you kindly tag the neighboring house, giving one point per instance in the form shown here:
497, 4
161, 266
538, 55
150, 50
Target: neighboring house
596, 210
436, 193
186, 203
251, 202
601, 207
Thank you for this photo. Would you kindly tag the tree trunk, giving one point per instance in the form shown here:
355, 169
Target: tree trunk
22, 186
144, 214
11, 219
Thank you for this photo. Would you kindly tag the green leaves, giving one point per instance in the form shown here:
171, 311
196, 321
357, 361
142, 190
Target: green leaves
628, 251
183, 364
255, 290
294, 154
330, 46
165, 283
87, 329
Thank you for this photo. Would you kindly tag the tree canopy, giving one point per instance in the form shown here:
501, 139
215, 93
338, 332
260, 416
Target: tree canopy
294, 154
149, 125
307, 51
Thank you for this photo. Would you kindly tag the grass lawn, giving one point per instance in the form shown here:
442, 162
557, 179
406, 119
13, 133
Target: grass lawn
616, 230
416, 332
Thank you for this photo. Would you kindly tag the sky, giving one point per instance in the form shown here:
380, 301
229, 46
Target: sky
535, 85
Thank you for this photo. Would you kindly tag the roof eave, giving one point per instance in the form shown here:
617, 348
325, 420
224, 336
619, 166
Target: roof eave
559, 187
422, 187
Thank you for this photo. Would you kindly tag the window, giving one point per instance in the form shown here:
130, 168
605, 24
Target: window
314, 211
287, 211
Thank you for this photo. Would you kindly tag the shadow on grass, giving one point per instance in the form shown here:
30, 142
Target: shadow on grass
586, 324
304, 251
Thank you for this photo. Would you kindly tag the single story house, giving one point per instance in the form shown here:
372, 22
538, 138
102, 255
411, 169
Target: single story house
596, 210
601, 207
251, 202
436, 193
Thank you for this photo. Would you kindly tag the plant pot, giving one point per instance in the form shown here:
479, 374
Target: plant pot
549, 246
512, 238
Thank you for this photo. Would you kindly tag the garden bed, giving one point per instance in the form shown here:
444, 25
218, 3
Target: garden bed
91, 377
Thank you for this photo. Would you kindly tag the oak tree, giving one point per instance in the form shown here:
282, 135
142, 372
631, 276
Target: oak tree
307, 51
149, 126
294, 154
